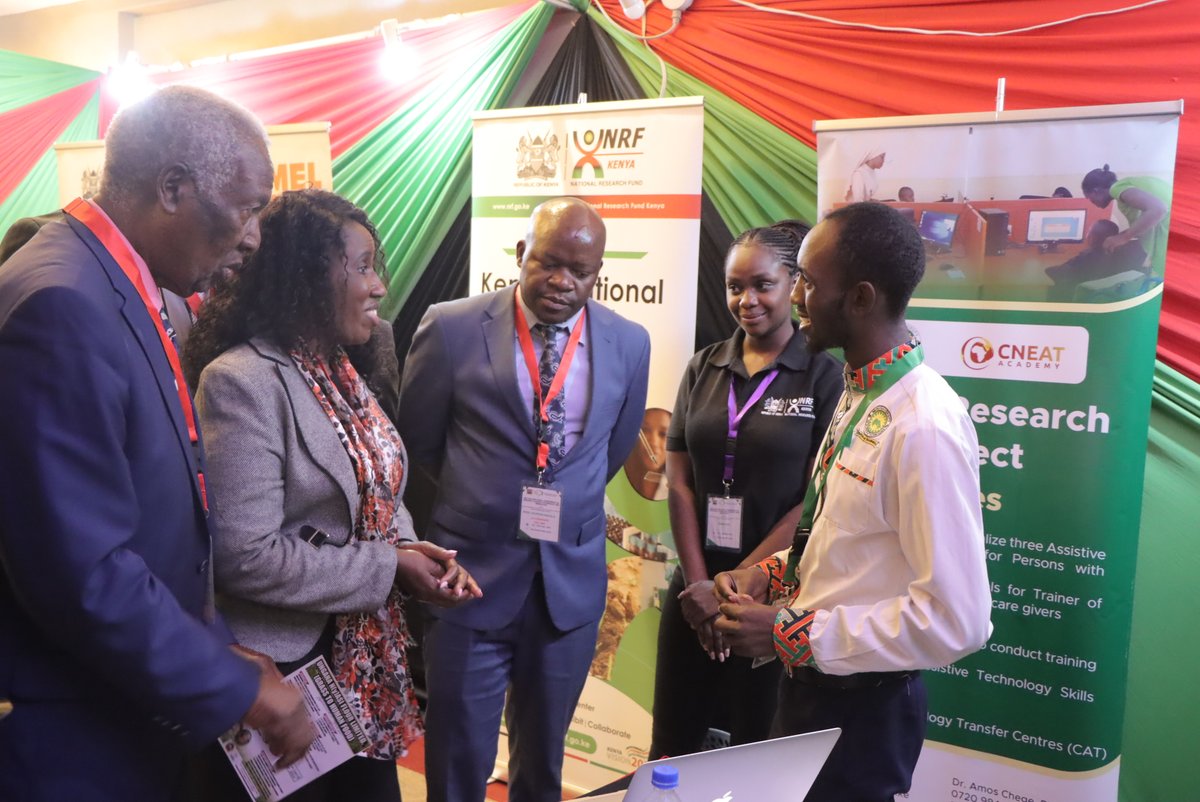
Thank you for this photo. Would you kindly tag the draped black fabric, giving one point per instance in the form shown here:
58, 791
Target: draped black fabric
713, 321
588, 62
445, 277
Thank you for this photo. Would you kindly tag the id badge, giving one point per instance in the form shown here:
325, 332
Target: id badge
724, 523
541, 512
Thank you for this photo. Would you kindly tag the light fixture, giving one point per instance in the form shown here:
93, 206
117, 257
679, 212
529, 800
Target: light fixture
129, 81
399, 61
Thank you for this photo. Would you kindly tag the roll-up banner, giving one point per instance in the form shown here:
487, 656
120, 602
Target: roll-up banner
639, 164
1040, 306
299, 151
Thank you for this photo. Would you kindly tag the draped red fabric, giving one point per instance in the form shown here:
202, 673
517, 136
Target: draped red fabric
344, 83
793, 71
29, 131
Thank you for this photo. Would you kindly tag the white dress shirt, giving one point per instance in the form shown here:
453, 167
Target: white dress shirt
895, 567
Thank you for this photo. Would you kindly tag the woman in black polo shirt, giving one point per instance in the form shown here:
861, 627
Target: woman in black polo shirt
748, 421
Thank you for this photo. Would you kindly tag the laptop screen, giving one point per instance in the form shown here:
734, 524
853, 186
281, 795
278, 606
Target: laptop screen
782, 768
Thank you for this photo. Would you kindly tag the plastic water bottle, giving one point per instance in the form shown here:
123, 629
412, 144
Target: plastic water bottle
665, 782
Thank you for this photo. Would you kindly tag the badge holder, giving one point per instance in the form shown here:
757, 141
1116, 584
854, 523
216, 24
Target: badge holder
541, 512
724, 530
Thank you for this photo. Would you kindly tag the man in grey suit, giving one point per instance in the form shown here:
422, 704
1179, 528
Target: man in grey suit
522, 426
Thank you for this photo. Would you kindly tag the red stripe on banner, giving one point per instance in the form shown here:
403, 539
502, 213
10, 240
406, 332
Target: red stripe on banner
663, 207
31, 130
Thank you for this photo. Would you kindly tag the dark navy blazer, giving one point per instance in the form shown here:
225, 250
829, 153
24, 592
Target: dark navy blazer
104, 544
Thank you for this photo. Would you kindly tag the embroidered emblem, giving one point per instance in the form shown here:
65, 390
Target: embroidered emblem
867, 440
878, 419
788, 407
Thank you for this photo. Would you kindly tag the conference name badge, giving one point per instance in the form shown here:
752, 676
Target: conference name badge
541, 513
724, 523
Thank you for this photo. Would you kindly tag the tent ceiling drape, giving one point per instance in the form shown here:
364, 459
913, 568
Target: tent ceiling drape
766, 78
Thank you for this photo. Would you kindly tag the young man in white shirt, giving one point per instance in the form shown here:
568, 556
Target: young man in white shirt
888, 573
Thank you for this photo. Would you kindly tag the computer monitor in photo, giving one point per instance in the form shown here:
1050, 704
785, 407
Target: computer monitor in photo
937, 228
1056, 225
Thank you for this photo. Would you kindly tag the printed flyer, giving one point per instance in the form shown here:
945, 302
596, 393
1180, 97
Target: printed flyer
340, 736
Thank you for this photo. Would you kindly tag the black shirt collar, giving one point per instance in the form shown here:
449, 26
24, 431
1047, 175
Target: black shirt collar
795, 355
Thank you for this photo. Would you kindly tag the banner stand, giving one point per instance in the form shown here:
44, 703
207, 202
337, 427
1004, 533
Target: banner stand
1040, 307
639, 164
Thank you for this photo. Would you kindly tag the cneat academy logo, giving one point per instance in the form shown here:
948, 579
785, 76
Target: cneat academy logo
977, 352
1011, 352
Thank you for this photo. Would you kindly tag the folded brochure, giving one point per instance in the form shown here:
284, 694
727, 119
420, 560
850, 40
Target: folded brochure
340, 736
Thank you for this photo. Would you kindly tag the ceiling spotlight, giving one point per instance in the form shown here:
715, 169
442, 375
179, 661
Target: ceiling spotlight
129, 81
399, 60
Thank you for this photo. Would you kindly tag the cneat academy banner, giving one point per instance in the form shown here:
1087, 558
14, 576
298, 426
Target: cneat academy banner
639, 164
1045, 236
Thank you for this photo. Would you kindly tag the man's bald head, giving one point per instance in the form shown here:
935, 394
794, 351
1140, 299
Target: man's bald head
571, 216
560, 258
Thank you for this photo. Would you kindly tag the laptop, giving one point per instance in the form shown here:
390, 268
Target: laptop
779, 769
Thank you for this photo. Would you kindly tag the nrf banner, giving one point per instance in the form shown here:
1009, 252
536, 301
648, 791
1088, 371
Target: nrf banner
639, 164
1045, 237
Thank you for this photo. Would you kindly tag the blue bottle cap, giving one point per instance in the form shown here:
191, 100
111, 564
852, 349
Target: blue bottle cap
665, 777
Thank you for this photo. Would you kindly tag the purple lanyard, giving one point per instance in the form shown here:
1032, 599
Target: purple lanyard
735, 417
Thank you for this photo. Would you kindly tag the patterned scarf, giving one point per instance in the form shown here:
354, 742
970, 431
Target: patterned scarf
369, 648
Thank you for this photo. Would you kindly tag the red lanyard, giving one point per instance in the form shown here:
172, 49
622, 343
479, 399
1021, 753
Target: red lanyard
118, 248
535, 376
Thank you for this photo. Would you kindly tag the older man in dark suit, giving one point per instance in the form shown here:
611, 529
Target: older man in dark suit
177, 310
113, 659
524, 403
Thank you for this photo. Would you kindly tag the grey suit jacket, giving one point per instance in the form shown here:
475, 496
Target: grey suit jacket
461, 415
276, 464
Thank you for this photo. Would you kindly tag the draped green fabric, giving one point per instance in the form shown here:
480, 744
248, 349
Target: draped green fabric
38, 191
1160, 710
754, 172
412, 174
24, 79
1176, 395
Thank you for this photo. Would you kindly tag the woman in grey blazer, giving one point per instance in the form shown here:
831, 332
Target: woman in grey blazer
313, 546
